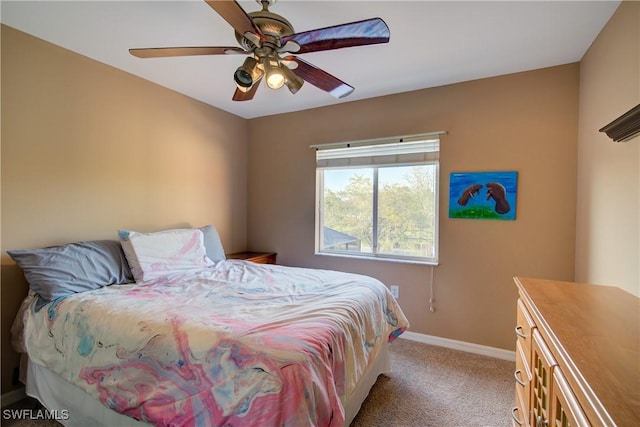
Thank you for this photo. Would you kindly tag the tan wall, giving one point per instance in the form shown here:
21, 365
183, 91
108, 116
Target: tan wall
525, 122
608, 213
88, 149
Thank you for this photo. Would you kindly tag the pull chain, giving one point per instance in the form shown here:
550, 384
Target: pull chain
432, 300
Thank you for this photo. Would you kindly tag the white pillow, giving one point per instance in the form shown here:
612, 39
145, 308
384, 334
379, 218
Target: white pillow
153, 255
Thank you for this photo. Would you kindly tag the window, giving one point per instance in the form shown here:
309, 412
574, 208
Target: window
379, 198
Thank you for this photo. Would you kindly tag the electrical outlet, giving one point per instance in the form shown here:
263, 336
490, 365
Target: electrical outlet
395, 291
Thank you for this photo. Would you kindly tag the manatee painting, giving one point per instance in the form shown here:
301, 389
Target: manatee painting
483, 195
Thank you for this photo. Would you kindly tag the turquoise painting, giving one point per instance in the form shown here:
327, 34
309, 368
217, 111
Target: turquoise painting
483, 195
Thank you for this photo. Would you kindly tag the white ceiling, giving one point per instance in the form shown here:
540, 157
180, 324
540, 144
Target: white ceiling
433, 43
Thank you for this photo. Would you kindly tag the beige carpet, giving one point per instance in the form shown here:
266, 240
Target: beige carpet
440, 387
429, 386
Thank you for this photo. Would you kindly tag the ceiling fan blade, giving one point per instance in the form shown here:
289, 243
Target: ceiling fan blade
162, 52
360, 33
235, 15
240, 95
320, 78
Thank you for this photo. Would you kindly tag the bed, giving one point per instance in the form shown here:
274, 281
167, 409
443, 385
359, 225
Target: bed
198, 340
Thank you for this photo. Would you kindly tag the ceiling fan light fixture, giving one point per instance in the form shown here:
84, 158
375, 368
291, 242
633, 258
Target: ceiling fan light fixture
247, 74
292, 80
275, 80
273, 72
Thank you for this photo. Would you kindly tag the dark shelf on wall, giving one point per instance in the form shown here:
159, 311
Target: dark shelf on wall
625, 127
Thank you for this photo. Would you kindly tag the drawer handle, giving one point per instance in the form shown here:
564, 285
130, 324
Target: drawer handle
513, 415
519, 332
518, 380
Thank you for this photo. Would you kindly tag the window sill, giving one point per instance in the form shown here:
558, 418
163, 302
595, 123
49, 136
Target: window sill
377, 258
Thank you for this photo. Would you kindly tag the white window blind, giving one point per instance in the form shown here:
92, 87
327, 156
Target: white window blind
387, 151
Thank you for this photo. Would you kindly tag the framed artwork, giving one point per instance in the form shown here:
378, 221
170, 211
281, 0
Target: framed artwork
483, 195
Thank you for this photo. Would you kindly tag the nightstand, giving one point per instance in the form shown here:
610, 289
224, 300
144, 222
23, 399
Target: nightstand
257, 257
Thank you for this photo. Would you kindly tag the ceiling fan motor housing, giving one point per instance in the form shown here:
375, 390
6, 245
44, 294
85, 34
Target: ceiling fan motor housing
272, 25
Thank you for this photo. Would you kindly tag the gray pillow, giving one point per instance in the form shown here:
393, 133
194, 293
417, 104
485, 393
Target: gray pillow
212, 243
59, 271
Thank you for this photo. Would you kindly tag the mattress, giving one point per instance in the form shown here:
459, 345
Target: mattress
234, 344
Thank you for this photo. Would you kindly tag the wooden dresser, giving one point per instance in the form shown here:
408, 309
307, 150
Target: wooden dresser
577, 355
257, 257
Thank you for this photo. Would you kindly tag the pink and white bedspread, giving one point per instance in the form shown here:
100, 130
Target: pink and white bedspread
236, 344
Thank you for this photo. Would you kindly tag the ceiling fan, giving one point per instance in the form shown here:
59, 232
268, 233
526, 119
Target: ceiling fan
269, 41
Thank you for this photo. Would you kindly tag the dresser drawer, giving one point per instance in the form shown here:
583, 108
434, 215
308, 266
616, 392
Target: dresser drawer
524, 328
519, 416
522, 376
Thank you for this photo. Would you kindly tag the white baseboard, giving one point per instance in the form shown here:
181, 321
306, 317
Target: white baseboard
13, 396
484, 350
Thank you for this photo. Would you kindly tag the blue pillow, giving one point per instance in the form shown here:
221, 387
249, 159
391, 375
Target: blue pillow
212, 243
59, 271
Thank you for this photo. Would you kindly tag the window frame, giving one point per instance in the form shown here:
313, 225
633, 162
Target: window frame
319, 212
